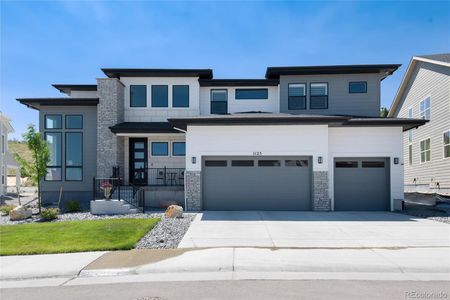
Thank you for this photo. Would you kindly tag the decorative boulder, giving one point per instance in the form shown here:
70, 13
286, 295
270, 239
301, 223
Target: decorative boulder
167, 203
174, 211
20, 213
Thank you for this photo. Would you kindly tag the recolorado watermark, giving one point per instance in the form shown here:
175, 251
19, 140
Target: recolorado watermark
426, 295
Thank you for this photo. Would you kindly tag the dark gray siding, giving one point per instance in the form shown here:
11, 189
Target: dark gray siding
340, 101
73, 190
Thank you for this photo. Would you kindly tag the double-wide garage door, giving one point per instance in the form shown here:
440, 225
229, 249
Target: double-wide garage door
362, 184
249, 183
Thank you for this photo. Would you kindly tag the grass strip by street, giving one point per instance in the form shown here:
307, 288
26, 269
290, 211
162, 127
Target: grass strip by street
73, 236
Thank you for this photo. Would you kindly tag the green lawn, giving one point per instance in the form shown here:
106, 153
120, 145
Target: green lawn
73, 236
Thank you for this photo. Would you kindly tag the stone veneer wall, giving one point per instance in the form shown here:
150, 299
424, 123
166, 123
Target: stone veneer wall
110, 111
321, 200
192, 190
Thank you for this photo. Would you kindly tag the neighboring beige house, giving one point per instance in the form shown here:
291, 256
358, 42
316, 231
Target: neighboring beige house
6, 159
425, 93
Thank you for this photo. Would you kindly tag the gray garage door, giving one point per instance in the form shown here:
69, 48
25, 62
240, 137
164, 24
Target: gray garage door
248, 183
361, 184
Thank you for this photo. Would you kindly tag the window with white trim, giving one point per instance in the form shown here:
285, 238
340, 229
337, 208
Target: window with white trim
410, 113
410, 156
446, 138
410, 136
425, 150
425, 108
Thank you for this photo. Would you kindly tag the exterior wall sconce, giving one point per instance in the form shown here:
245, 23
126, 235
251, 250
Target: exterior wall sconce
395, 160
193, 159
319, 159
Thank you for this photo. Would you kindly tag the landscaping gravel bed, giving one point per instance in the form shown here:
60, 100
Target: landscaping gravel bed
429, 213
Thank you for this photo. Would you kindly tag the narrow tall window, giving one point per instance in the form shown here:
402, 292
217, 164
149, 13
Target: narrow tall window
296, 96
410, 113
425, 108
425, 150
357, 87
219, 99
160, 97
447, 144
318, 98
180, 96
138, 95
74, 156
3, 144
410, 155
410, 136
54, 167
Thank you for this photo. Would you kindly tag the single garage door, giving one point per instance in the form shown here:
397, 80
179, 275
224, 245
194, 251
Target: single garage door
249, 183
361, 184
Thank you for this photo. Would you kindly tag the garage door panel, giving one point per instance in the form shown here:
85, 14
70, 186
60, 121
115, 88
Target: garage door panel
257, 187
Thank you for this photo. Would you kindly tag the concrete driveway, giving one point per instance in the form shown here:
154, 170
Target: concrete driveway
314, 229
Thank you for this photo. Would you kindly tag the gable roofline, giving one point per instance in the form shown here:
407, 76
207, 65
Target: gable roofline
401, 89
67, 88
7, 122
385, 69
118, 72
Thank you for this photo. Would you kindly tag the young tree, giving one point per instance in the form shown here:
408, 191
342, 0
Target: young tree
384, 112
40, 157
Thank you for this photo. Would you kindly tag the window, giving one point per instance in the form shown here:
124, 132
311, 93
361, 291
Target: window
54, 168
410, 113
296, 96
74, 122
138, 96
296, 163
410, 156
242, 163
373, 164
425, 109
410, 136
269, 163
318, 98
160, 149
160, 96
357, 87
447, 144
74, 156
249, 94
215, 163
3, 144
425, 151
53, 122
180, 96
346, 164
179, 149
219, 99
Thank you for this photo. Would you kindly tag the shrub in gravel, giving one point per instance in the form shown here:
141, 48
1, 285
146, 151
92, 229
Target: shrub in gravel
49, 214
72, 206
5, 209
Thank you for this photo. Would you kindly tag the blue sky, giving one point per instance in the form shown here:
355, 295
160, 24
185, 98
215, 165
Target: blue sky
68, 41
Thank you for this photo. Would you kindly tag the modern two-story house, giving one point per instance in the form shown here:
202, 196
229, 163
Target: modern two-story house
425, 93
302, 138
7, 161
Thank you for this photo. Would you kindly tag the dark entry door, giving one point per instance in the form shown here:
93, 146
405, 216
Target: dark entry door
138, 161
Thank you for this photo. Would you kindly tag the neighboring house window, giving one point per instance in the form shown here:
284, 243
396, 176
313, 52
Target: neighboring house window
180, 96
160, 96
219, 99
447, 144
410, 156
296, 96
74, 156
318, 98
410, 136
179, 149
425, 151
54, 167
410, 113
160, 149
3, 144
425, 108
74, 122
249, 94
357, 87
138, 96
53, 122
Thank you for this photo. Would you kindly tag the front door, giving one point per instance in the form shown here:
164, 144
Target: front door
138, 161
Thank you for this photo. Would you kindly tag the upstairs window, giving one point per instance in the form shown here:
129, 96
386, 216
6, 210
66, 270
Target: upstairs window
410, 136
425, 151
138, 96
357, 87
53, 122
410, 155
296, 96
180, 96
219, 99
425, 108
160, 96
74, 122
318, 98
251, 94
447, 144
410, 113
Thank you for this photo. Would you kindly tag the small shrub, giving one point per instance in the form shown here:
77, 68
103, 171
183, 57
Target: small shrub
49, 214
5, 209
72, 206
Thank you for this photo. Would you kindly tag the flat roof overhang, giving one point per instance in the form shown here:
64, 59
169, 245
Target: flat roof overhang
36, 103
67, 88
143, 127
239, 82
119, 72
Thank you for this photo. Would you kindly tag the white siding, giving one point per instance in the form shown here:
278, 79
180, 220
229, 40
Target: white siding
83, 94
